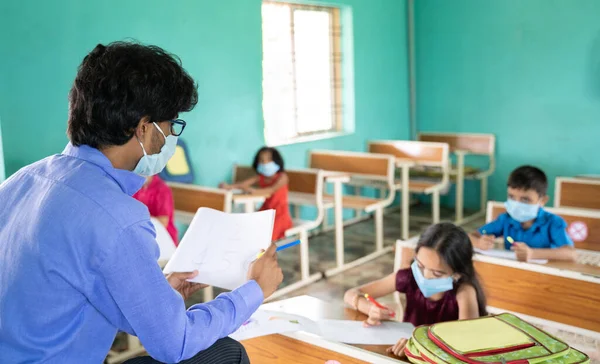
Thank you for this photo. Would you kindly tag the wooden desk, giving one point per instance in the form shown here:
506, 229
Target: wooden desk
568, 293
316, 309
282, 349
249, 200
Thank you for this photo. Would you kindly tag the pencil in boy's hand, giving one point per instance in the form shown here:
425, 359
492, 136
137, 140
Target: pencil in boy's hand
372, 300
510, 240
279, 248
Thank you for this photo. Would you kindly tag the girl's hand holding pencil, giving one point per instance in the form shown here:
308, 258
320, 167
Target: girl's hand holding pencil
377, 313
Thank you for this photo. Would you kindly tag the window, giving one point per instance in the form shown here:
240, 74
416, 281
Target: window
302, 75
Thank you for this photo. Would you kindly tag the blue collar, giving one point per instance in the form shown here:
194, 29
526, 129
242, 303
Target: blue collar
129, 182
540, 220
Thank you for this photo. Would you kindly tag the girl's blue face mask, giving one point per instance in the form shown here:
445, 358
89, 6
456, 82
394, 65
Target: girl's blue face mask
429, 287
268, 169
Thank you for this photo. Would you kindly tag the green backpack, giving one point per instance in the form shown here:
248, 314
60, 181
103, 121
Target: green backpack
493, 339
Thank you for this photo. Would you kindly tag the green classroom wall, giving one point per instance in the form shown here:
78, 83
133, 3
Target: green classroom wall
2, 172
219, 43
527, 71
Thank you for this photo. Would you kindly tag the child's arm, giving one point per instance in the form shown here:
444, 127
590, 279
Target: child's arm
483, 242
282, 181
525, 253
244, 185
483, 238
468, 308
354, 297
561, 245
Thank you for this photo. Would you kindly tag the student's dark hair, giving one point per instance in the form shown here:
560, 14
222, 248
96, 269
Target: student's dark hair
454, 246
529, 178
277, 158
119, 84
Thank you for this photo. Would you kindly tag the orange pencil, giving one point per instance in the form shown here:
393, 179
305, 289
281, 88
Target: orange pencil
372, 300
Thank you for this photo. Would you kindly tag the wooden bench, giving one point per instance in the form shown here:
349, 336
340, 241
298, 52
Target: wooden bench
577, 192
423, 155
366, 166
461, 145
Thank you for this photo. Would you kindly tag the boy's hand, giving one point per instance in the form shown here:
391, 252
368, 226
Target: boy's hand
398, 348
524, 252
376, 315
224, 186
485, 242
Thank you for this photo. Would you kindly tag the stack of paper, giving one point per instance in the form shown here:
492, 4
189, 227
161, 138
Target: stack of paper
222, 246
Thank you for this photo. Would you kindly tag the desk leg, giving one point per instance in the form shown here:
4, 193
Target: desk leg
379, 229
339, 223
460, 188
304, 255
248, 207
484, 187
405, 202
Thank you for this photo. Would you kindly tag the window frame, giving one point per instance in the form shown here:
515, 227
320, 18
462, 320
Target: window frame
337, 80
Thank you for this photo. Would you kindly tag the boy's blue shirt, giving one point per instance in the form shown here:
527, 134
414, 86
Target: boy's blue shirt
548, 231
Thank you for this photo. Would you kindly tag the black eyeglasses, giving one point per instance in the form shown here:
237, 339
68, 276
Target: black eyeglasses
177, 127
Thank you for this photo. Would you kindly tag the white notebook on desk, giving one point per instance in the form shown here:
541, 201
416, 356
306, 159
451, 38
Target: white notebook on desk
221, 246
506, 254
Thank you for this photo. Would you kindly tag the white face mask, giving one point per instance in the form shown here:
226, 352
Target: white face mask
149, 165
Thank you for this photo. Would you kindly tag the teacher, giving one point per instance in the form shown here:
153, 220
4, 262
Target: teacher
78, 256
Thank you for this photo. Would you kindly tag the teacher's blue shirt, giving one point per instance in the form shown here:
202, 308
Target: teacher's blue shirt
78, 261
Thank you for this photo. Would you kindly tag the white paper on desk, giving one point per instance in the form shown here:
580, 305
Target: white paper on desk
265, 322
221, 246
507, 254
353, 332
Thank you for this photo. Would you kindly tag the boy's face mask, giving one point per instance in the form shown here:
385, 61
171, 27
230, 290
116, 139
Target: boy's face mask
520, 211
523, 205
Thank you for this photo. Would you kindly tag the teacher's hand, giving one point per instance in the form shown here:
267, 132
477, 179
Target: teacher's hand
266, 272
179, 283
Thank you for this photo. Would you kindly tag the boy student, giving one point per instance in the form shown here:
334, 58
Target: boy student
528, 229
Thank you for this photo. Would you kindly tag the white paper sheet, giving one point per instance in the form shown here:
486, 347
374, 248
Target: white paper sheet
270, 322
164, 241
506, 254
221, 246
353, 332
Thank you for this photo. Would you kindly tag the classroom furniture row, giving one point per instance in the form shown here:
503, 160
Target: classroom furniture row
307, 188
568, 293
